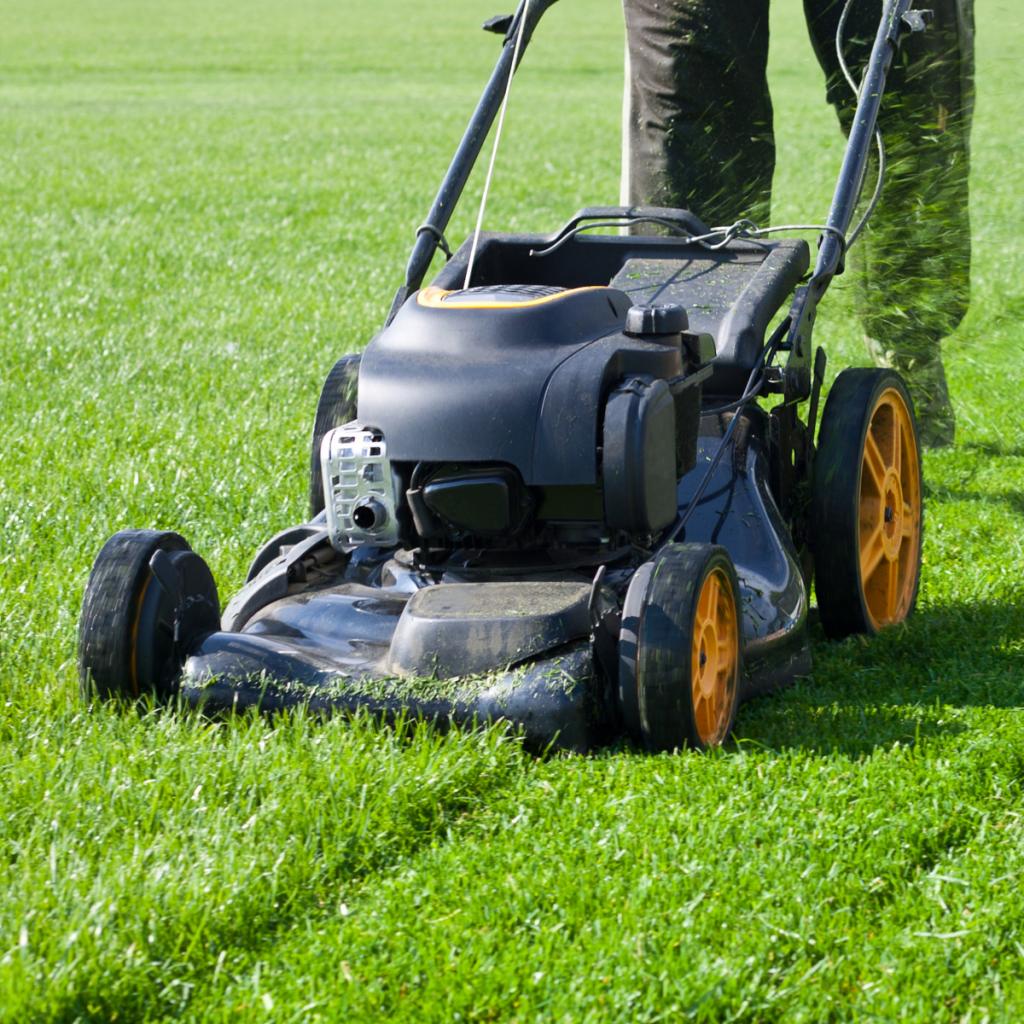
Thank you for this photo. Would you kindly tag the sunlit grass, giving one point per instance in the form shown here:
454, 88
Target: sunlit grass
203, 207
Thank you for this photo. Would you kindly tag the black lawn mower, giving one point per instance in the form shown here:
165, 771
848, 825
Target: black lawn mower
571, 484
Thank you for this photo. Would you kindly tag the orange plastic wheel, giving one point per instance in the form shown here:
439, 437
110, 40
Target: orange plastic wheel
714, 656
680, 648
889, 535
867, 500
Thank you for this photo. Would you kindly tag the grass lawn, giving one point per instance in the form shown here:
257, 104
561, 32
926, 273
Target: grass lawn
203, 206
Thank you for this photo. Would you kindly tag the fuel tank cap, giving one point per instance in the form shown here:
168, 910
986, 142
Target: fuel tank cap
656, 320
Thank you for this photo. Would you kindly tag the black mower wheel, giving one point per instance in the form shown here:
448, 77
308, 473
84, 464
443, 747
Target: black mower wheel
867, 504
126, 635
680, 652
337, 406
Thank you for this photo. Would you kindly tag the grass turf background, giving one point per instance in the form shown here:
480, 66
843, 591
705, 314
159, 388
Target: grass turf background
203, 206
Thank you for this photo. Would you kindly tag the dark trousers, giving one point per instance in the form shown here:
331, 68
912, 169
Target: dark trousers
698, 134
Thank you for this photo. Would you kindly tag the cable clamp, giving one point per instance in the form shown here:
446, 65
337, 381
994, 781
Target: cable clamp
438, 235
916, 21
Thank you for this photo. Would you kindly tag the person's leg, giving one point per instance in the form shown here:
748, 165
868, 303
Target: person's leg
913, 262
697, 126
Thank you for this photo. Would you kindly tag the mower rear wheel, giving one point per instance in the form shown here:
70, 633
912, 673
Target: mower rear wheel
680, 651
336, 407
136, 628
867, 504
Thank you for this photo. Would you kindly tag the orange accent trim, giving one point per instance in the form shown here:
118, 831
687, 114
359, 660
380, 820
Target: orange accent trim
889, 538
714, 654
433, 298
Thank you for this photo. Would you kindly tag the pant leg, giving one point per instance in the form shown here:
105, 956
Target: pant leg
913, 261
698, 118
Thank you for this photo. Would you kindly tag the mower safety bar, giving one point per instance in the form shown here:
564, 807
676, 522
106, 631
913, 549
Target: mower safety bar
665, 215
431, 232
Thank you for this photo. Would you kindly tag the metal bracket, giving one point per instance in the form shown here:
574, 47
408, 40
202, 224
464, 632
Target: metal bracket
774, 379
817, 380
917, 21
499, 24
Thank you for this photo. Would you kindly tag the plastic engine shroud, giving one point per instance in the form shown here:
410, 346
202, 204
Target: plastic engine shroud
523, 385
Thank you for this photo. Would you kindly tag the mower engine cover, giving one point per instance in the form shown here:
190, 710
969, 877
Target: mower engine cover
639, 457
507, 374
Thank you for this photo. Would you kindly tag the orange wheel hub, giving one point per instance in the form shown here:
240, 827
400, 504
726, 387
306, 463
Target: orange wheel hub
890, 512
715, 658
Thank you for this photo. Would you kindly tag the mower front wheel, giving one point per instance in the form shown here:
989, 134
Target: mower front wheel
867, 504
680, 651
148, 599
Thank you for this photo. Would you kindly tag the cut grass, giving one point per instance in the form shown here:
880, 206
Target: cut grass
159, 845
203, 208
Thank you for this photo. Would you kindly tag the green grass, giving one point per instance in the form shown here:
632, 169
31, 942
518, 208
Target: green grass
203, 206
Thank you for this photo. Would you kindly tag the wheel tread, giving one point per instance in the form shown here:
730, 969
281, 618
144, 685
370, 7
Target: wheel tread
108, 610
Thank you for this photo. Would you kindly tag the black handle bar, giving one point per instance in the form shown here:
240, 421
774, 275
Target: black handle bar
448, 195
897, 21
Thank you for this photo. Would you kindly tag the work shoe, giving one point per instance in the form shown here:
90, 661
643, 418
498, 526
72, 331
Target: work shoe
925, 378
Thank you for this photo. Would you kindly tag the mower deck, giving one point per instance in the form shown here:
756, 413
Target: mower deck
513, 645
451, 653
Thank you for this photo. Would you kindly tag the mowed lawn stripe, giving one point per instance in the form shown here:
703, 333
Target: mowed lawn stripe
140, 853
727, 888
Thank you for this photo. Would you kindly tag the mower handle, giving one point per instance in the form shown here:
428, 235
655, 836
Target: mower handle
431, 233
897, 20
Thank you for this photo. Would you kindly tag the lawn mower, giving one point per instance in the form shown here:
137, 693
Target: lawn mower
571, 484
